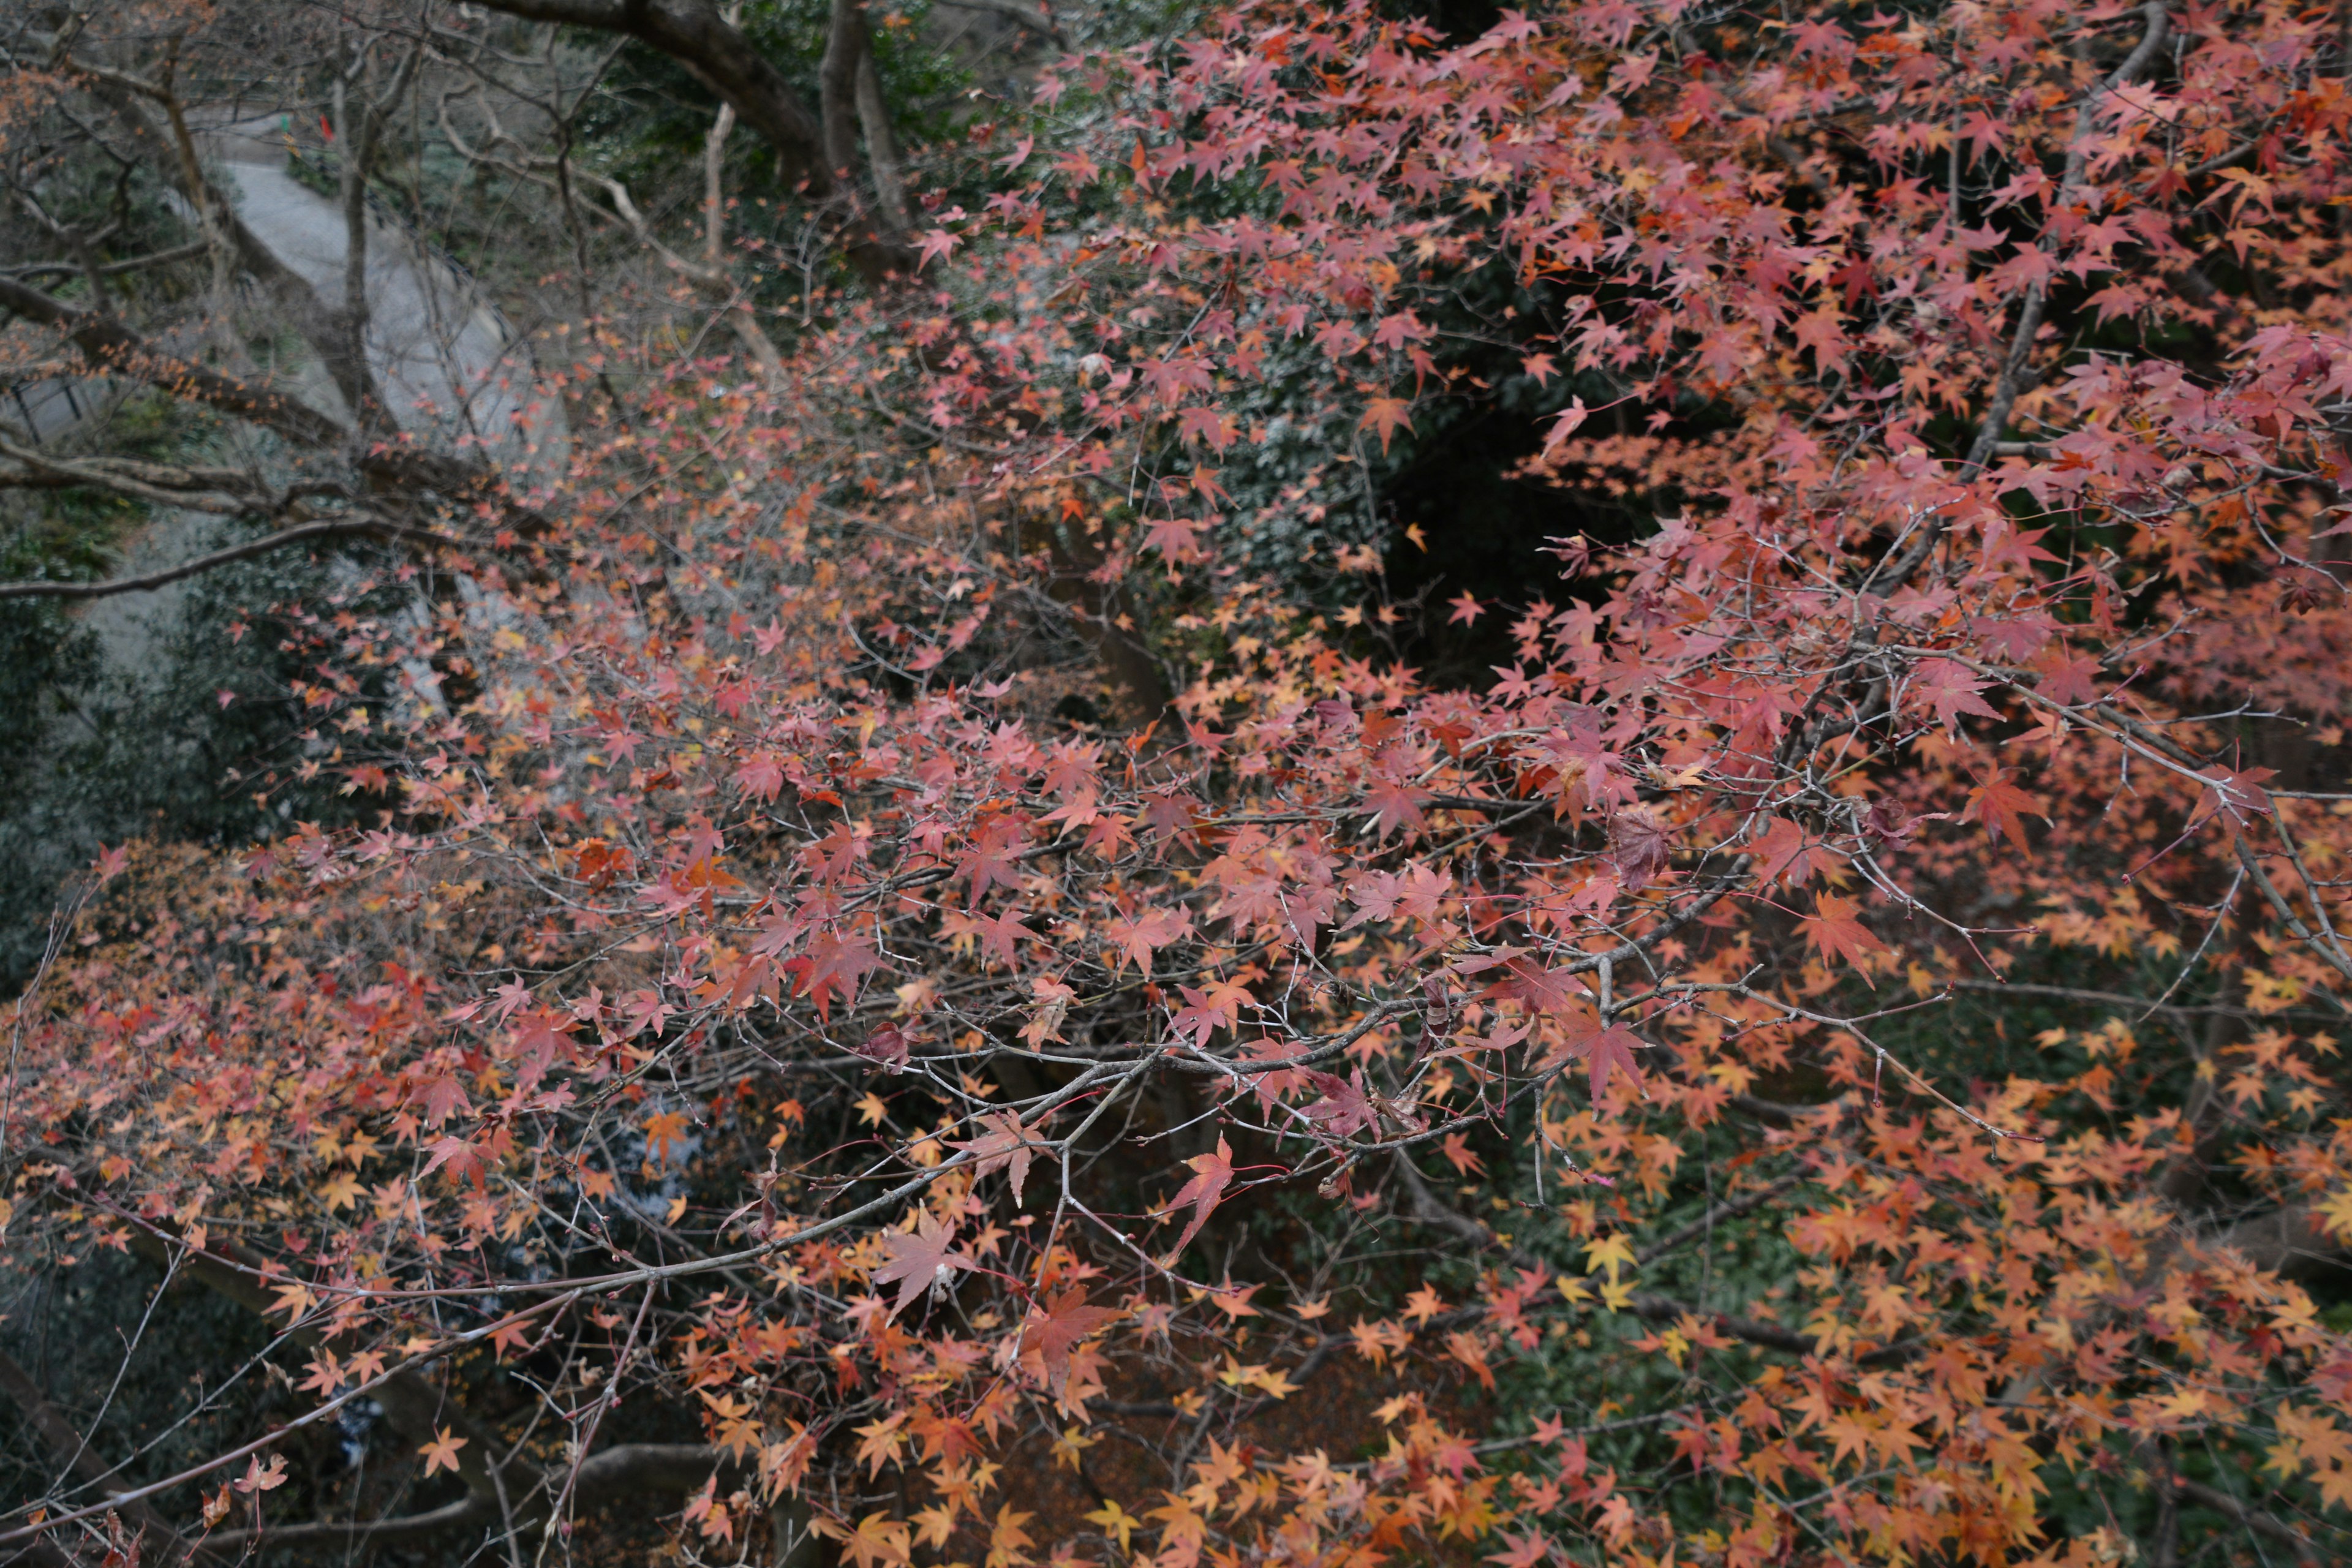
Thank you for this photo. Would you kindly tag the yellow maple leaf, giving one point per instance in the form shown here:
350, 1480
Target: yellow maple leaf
1612, 1252
1115, 1520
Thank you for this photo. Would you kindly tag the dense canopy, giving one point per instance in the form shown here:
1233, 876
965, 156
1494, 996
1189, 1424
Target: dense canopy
1274, 784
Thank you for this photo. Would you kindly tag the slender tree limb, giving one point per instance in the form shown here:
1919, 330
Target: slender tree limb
149, 580
111, 348
220, 490
188, 252
2287, 1240
625, 1469
2013, 378
1731, 1209
325, 328
1428, 1206
414, 1407
2252, 1519
398, 1530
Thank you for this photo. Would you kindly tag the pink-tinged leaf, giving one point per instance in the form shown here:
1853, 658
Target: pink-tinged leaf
540, 1038
1395, 804
920, 1261
1565, 424
2066, 677
833, 966
1952, 690
441, 1097
760, 777
1176, 538
1638, 847
886, 1046
1005, 1145
2238, 795
1203, 424
464, 1160
1211, 1175
645, 1011
1139, 936
936, 244
1784, 849
1345, 1106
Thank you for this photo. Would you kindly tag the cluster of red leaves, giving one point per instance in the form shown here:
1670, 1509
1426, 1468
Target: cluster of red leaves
897, 1046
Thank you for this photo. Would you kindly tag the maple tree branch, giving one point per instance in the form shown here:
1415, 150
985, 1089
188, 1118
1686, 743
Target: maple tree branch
363, 1533
2120, 999
882, 157
2252, 1519
375, 527
623, 1470
416, 1409
2029, 320
1730, 1209
2012, 379
2287, 1240
846, 42
2330, 950
195, 489
111, 347
188, 252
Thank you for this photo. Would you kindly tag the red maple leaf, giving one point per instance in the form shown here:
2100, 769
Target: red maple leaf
1603, 1050
1395, 805
1782, 849
1056, 1331
2002, 807
1836, 934
2067, 677
833, 967
1205, 1012
464, 1160
1952, 690
1385, 415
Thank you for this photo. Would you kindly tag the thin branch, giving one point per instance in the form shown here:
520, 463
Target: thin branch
148, 582
188, 252
111, 348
